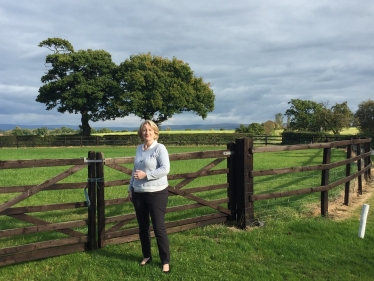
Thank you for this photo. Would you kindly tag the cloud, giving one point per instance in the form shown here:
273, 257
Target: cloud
257, 55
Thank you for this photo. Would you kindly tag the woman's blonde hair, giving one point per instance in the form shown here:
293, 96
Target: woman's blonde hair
153, 126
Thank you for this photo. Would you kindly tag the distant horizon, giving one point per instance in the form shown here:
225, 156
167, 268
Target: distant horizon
226, 126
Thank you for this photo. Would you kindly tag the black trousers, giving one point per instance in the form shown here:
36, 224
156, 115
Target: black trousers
152, 204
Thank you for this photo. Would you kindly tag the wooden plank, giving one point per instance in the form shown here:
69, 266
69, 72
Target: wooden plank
41, 254
119, 160
199, 200
56, 186
308, 146
205, 168
179, 223
43, 208
116, 182
318, 167
200, 155
306, 190
207, 188
120, 218
33, 163
42, 228
37, 188
197, 174
42, 245
120, 168
135, 237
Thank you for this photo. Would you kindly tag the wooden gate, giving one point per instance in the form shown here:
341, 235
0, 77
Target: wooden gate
122, 227
41, 225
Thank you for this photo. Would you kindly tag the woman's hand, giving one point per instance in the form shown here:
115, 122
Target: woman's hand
130, 196
139, 175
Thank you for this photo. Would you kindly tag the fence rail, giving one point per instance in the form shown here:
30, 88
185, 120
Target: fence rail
104, 219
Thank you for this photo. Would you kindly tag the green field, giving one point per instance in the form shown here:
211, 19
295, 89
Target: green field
292, 246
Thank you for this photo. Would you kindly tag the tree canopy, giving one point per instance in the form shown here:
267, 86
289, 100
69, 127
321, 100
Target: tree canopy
90, 83
80, 82
156, 88
253, 129
365, 117
306, 115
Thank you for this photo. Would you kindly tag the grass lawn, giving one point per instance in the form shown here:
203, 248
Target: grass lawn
296, 248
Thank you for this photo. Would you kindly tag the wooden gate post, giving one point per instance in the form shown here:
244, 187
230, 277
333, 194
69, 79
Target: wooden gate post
91, 203
367, 160
231, 191
244, 183
325, 181
359, 167
100, 199
347, 174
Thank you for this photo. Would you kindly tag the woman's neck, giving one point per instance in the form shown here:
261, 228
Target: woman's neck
148, 144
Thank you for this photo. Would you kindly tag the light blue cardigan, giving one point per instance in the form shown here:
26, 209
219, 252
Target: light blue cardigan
155, 163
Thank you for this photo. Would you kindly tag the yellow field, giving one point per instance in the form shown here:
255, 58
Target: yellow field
172, 132
350, 131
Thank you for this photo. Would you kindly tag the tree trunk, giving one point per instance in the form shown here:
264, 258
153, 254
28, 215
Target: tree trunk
86, 129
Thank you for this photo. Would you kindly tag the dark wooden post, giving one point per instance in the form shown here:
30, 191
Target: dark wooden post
231, 191
91, 184
347, 174
325, 181
244, 165
100, 199
367, 159
359, 178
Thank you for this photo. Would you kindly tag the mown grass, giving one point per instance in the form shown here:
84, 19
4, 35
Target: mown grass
292, 249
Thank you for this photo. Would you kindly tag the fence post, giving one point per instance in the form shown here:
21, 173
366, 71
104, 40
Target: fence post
367, 159
359, 167
325, 181
91, 204
100, 199
347, 174
231, 191
244, 188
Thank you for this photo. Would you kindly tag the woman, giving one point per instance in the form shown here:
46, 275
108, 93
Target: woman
149, 194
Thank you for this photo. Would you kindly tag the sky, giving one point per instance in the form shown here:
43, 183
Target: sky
257, 55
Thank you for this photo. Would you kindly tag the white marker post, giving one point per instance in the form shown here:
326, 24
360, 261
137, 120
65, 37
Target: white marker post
364, 215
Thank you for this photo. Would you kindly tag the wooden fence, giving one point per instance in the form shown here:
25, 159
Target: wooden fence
357, 151
104, 218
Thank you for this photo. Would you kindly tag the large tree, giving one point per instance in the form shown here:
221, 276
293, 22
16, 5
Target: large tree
310, 116
304, 115
80, 82
365, 117
156, 88
337, 117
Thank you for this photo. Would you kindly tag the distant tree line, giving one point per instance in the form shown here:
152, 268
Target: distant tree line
44, 131
310, 116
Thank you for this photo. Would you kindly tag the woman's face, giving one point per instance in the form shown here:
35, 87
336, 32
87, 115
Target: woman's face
148, 133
